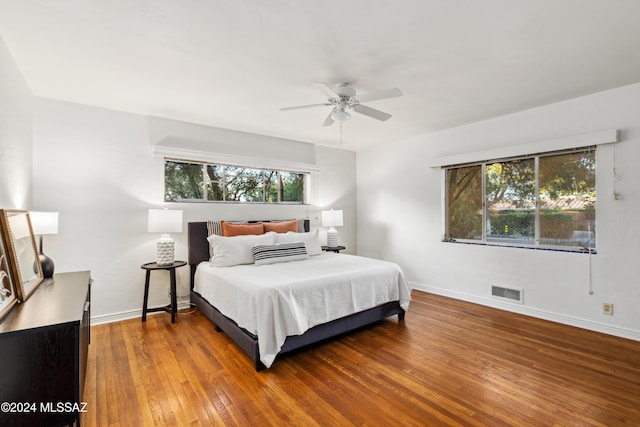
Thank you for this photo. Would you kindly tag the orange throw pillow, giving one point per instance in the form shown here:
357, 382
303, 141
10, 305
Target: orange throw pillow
281, 226
229, 229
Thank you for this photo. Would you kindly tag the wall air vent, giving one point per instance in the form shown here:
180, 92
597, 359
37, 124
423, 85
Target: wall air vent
511, 294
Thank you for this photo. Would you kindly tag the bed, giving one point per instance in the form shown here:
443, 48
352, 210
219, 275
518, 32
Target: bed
272, 309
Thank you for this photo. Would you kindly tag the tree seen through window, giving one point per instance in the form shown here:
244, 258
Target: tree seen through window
540, 200
224, 183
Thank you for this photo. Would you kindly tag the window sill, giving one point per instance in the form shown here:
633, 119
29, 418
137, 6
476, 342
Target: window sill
575, 250
237, 202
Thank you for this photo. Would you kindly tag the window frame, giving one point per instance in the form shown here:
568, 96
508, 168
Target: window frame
206, 183
537, 203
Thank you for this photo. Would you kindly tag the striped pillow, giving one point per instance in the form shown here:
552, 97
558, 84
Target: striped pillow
282, 252
213, 228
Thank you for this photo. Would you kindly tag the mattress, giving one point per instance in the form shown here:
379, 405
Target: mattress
285, 299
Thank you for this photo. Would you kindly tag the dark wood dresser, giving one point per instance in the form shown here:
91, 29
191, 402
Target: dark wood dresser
43, 353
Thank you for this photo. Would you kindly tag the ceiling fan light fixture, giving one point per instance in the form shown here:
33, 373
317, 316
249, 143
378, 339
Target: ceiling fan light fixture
343, 100
340, 115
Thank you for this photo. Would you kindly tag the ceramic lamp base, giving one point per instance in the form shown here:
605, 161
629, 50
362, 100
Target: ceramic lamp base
165, 254
332, 238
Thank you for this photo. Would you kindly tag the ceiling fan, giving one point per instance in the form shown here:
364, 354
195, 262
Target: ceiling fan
344, 99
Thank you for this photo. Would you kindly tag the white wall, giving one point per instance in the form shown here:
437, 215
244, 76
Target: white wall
96, 168
16, 111
400, 217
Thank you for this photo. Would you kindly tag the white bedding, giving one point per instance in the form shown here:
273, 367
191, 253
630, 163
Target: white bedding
277, 300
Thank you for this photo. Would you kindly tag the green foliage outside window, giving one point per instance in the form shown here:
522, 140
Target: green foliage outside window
510, 197
539, 200
223, 183
292, 186
183, 181
464, 203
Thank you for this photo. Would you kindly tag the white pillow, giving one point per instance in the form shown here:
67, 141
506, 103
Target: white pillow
311, 240
280, 252
236, 250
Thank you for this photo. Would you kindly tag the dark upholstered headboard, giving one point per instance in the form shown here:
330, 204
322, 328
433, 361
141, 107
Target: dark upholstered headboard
199, 245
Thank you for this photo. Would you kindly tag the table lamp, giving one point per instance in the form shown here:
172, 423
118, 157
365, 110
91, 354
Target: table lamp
165, 221
44, 223
331, 219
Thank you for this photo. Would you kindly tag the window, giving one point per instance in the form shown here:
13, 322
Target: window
186, 181
547, 200
510, 200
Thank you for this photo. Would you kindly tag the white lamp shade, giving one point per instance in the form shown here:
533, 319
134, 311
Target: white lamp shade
332, 218
44, 222
164, 221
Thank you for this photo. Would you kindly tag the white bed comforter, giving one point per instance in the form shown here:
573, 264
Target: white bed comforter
278, 300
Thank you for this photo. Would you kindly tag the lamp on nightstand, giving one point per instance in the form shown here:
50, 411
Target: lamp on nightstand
44, 223
331, 219
165, 221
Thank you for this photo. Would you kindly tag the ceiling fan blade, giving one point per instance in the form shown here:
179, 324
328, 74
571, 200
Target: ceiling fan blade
371, 112
329, 120
325, 89
301, 107
381, 94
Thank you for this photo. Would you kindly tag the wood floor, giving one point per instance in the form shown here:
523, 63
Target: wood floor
448, 363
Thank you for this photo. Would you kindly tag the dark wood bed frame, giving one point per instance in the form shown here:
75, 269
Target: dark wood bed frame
199, 251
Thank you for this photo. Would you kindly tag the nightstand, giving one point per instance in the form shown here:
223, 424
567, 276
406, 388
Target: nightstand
173, 306
336, 249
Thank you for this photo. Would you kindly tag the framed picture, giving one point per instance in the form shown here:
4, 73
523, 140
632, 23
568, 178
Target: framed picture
7, 290
22, 252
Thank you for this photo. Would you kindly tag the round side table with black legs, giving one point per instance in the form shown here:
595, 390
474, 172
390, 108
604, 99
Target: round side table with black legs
173, 306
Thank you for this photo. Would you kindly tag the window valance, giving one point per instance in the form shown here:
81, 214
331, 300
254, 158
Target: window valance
532, 148
193, 142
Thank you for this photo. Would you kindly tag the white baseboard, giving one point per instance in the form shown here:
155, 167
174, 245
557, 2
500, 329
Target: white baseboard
183, 303
115, 317
533, 312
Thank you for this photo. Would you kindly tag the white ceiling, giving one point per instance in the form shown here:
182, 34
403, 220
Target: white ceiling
235, 63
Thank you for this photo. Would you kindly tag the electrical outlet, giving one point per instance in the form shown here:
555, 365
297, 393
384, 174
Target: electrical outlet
607, 308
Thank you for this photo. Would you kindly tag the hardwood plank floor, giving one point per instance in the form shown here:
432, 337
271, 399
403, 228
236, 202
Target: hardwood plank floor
449, 363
